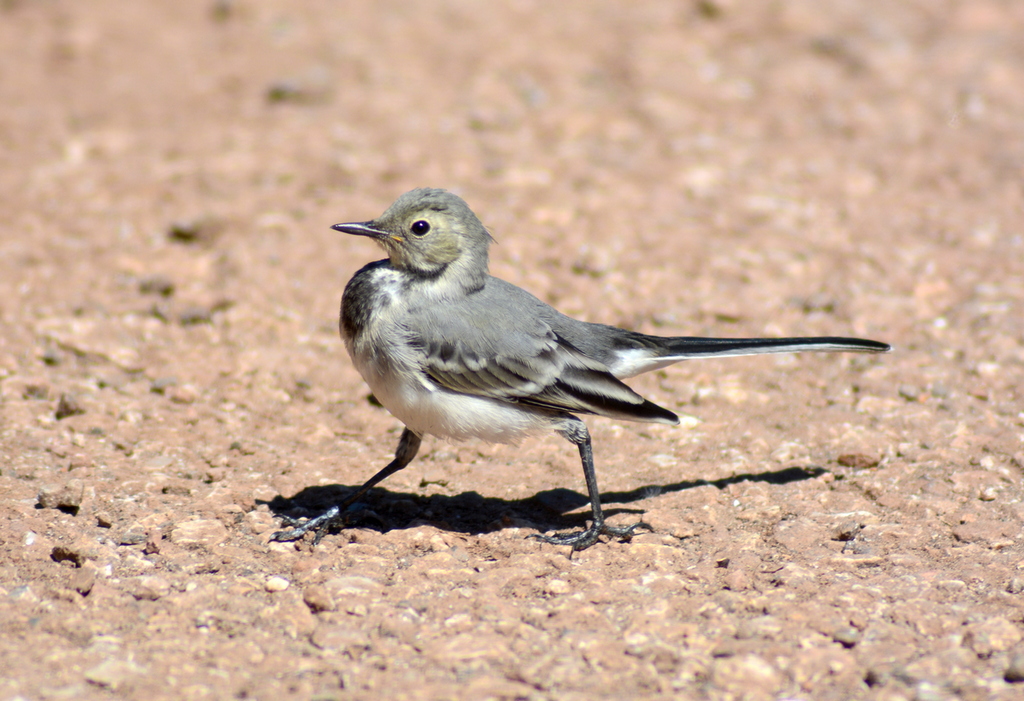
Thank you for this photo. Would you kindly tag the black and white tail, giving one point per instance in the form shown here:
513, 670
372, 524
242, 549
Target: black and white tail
666, 351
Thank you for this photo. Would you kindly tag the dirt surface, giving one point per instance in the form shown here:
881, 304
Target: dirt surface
171, 377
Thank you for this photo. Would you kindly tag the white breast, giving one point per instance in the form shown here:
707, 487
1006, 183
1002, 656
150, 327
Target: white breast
390, 365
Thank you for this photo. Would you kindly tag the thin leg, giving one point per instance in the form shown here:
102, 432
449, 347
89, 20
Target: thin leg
575, 431
408, 445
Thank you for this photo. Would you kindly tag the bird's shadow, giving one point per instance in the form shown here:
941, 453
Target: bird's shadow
473, 514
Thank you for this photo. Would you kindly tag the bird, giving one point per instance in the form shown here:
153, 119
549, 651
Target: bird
455, 353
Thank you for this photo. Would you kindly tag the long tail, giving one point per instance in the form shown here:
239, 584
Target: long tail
684, 347
653, 352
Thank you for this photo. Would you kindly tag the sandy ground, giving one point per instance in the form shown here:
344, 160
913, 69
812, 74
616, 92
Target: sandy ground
826, 526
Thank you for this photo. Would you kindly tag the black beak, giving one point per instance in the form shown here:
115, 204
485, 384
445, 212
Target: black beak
365, 228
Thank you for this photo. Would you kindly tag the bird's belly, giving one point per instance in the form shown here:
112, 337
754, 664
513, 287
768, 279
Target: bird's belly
431, 410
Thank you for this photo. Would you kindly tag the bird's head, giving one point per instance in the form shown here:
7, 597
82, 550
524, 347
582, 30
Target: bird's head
430, 233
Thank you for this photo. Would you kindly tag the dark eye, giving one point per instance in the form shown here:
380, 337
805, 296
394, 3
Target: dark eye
420, 228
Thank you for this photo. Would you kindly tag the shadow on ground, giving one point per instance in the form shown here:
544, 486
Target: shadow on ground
473, 514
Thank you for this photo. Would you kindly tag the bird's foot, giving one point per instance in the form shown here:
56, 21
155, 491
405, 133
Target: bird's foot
582, 540
320, 525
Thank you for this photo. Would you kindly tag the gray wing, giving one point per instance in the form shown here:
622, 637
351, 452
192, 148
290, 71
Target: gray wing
497, 343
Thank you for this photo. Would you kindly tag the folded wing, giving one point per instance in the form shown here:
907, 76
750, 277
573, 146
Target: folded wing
540, 369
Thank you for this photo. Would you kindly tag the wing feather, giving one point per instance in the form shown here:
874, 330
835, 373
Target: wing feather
554, 376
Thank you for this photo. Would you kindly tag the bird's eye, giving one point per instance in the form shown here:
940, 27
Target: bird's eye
420, 228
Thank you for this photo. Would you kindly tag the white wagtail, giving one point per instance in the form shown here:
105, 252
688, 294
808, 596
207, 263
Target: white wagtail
456, 353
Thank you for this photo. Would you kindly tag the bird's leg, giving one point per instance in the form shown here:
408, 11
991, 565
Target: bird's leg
575, 431
408, 445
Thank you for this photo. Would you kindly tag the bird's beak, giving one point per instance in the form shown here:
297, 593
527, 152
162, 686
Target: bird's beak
365, 228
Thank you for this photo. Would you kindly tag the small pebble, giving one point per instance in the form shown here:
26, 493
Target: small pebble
152, 543
276, 584
83, 579
318, 598
66, 497
68, 406
855, 547
558, 586
846, 531
51, 356
63, 553
161, 384
191, 231
132, 538
857, 461
847, 636
284, 91
185, 394
36, 392
150, 588
194, 315
205, 532
313, 87
910, 392
156, 284
1015, 670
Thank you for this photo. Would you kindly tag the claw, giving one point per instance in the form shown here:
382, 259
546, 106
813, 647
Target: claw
584, 539
319, 525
